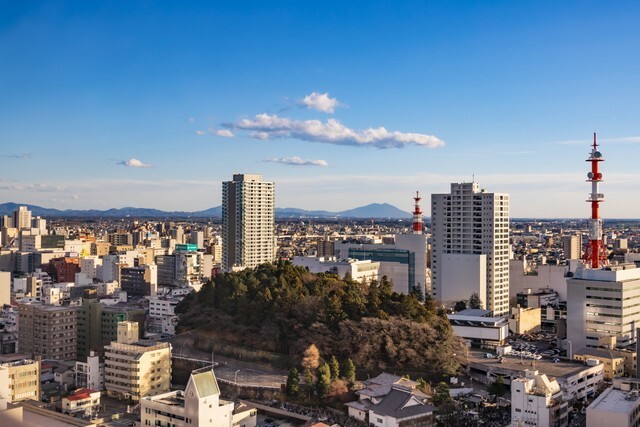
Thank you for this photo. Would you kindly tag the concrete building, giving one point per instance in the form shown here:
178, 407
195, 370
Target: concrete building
162, 316
479, 329
90, 374
537, 400
365, 270
525, 320
120, 312
135, 369
470, 227
198, 405
572, 246
89, 328
403, 259
602, 306
5, 288
617, 406
48, 331
19, 380
613, 364
22, 218
248, 209
139, 281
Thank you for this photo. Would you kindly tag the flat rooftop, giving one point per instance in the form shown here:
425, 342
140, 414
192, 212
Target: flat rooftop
561, 369
614, 400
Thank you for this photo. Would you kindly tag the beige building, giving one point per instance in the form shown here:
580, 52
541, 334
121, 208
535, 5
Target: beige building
614, 365
572, 246
48, 331
525, 320
198, 405
19, 380
135, 369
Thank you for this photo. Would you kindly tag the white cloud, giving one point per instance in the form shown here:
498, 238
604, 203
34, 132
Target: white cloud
320, 102
134, 163
224, 132
16, 156
297, 161
265, 126
191, 120
200, 132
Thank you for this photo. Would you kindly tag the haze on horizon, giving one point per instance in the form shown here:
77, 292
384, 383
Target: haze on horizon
341, 105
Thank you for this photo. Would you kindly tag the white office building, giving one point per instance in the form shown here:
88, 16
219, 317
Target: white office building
470, 246
248, 209
618, 405
602, 306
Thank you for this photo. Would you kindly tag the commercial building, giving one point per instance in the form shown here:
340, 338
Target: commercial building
537, 400
120, 312
403, 259
139, 281
479, 329
525, 320
616, 406
198, 405
136, 368
365, 270
90, 374
470, 246
572, 246
48, 331
248, 209
602, 306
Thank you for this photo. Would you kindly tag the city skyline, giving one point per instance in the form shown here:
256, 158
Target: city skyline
153, 106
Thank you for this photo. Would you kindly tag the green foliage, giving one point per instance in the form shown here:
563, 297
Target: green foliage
293, 382
441, 394
282, 308
459, 306
324, 380
335, 368
349, 371
497, 388
475, 301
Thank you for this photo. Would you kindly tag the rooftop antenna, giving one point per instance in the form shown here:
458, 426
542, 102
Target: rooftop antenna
417, 215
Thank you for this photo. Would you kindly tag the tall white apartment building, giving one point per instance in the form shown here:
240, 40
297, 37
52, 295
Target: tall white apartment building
22, 218
248, 208
470, 246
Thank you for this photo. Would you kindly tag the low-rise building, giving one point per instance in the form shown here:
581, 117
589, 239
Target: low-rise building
537, 400
359, 270
525, 320
198, 405
618, 405
83, 401
90, 374
19, 379
373, 391
613, 364
478, 329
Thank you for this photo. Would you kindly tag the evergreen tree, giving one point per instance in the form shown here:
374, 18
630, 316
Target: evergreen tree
475, 301
335, 368
293, 382
324, 380
441, 394
497, 388
349, 371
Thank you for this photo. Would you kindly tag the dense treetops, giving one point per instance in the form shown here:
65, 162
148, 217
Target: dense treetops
283, 308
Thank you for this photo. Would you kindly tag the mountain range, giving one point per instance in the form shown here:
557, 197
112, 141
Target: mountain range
373, 210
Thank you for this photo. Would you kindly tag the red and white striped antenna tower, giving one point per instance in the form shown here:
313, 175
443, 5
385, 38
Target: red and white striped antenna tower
595, 255
417, 215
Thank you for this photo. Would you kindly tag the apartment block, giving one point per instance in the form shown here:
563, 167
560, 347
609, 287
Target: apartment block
48, 331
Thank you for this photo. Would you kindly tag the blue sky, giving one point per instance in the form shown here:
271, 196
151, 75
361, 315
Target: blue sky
154, 103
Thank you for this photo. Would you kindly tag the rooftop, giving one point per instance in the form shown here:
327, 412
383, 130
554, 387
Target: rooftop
614, 400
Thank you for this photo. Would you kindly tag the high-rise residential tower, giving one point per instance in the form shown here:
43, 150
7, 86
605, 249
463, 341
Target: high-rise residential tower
470, 246
248, 206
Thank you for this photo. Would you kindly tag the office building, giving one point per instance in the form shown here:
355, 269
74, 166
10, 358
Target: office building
248, 208
600, 306
22, 218
136, 368
536, 400
470, 246
139, 281
89, 328
48, 331
617, 406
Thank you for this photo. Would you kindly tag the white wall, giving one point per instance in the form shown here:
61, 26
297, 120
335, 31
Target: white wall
463, 275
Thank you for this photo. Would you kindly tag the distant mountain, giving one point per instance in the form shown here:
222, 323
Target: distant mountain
374, 210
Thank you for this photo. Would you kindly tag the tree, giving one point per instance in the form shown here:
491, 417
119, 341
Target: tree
497, 388
324, 380
475, 301
424, 386
459, 306
417, 291
349, 371
441, 395
293, 382
311, 358
335, 368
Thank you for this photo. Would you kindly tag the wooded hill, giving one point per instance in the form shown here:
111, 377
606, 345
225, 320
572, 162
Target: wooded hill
282, 308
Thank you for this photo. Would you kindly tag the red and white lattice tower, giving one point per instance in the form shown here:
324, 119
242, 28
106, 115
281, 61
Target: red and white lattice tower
595, 255
417, 215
